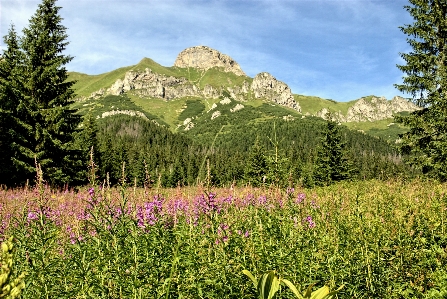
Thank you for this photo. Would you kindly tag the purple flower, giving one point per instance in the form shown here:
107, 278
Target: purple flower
310, 222
247, 234
32, 216
290, 191
300, 198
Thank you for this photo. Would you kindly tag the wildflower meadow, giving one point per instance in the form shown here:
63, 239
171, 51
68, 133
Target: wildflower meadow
377, 239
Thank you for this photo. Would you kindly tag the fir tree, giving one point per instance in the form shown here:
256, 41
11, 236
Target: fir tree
331, 163
14, 131
48, 94
86, 141
256, 166
426, 81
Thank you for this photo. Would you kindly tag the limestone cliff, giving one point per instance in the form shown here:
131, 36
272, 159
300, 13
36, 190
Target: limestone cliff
375, 108
204, 58
154, 85
266, 86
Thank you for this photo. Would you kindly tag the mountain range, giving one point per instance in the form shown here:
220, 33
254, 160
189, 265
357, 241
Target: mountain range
205, 84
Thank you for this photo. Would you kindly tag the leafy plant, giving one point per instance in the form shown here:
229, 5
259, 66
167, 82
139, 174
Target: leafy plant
9, 288
269, 285
322, 293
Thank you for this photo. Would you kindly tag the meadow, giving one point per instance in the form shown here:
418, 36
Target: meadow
378, 239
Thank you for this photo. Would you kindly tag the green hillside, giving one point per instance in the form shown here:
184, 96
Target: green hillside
173, 113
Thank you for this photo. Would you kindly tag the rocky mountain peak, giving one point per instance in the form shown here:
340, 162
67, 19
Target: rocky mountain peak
204, 57
371, 109
266, 86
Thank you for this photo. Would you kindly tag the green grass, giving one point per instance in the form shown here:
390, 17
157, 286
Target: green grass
311, 104
386, 128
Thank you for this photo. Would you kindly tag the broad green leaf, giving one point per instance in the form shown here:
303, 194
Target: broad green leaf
268, 285
253, 279
308, 292
292, 288
320, 293
334, 292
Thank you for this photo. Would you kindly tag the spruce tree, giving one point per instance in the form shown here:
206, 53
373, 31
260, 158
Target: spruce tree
48, 94
256, 166
425, 81
14, 131
86, 140
331, 164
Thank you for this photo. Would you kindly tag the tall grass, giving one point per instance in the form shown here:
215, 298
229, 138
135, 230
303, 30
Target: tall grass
379, 239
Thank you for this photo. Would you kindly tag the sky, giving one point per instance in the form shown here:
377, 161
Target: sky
334, 49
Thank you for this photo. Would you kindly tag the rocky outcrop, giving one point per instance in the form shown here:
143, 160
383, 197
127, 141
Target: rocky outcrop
378, 108
151, 84
370, 109
237, 108
204, 58
266, 86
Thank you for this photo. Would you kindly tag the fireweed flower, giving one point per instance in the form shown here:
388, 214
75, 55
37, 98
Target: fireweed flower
262, 200
310, 222
224, 226
91, 192
32, 216
300, 198
290, 191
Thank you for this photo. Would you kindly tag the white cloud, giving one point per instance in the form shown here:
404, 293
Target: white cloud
332, 48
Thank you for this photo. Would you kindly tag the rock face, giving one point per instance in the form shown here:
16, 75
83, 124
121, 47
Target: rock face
376, 108
150, 84
154, 85
266, 86
204, 58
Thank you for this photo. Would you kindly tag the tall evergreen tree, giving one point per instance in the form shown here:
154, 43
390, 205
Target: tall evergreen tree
48, 94
426, 81
86, 140
331, 163
14, 144
256, 166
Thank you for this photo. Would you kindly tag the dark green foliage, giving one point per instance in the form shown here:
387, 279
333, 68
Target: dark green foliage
143, 145
13, 130
40, 95
193, 108
256, 166
86, 142
235, 154
331, 163
425, 80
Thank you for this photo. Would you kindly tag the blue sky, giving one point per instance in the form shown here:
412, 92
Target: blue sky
334, 49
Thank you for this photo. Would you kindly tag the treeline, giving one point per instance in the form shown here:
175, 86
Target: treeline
272, 152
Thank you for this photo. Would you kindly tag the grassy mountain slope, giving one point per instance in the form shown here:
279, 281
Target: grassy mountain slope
173, 113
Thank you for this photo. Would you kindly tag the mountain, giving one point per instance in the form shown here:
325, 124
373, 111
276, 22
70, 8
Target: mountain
204, 119
202, 80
